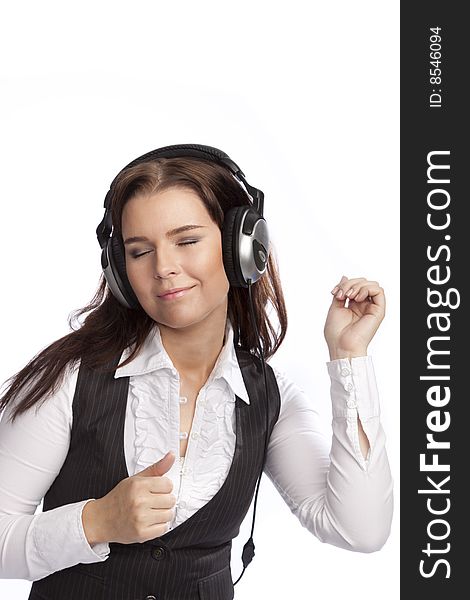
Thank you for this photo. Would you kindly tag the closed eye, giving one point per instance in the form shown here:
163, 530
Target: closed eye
182, 244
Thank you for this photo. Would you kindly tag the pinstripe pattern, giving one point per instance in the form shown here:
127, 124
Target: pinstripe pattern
191, 561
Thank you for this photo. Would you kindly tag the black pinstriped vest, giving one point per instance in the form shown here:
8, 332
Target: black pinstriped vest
189, 562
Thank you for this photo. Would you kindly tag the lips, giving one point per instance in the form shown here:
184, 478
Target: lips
174, 291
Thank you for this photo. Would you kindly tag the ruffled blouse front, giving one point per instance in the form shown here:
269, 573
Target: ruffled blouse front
152, 426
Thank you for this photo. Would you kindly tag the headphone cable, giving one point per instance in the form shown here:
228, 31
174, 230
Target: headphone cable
249, 547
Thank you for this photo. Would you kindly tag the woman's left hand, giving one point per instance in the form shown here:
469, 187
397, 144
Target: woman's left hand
348, 331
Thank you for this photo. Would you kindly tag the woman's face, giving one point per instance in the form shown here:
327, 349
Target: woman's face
168, 259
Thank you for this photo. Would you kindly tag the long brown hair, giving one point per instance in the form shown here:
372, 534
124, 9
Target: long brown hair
111, 327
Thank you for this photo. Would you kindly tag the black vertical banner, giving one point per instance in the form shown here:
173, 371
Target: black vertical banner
435, 326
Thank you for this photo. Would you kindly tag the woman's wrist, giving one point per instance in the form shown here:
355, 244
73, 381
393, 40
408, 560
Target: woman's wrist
92, 521
336, 353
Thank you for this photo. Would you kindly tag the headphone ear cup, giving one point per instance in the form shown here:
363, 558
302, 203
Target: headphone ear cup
230, 245
245, 244
118, 266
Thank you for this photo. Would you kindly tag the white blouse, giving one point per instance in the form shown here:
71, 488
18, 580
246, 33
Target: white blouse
340, 497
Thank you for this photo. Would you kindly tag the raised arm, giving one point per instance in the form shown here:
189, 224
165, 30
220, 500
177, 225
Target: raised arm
344, 497
339, 496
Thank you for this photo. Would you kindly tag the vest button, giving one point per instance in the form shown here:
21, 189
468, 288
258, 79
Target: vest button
150, 598
158, 553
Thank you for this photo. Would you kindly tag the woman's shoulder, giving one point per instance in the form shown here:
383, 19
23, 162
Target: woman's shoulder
55, 405
62, 398
288, 388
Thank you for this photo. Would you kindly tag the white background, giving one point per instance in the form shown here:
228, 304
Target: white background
304, 97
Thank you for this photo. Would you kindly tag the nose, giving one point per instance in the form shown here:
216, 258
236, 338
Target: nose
165, 263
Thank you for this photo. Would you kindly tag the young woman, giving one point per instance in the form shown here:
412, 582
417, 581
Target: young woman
155, 414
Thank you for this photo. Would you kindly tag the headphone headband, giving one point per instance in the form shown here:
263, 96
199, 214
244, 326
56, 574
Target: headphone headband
180, 150
197, 151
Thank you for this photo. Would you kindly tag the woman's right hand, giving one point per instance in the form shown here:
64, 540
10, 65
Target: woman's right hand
137, 509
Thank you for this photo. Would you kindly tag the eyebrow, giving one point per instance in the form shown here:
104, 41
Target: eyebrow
169, 234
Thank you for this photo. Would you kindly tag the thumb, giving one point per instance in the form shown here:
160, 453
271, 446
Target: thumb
159, 468
339, 301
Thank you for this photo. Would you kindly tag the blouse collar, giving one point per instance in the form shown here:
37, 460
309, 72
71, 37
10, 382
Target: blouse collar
153, 356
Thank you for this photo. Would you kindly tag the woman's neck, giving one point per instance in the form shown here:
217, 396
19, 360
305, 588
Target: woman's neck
194, 350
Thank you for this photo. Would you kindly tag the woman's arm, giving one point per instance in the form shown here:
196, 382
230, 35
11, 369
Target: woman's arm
363, 440
32, 451
339, 496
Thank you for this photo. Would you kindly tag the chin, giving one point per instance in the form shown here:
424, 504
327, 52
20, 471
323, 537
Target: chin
182, 321
175, 321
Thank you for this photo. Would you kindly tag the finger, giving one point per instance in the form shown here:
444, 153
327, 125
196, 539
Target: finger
338, 301
370, 290
341, 281
162, 515
360, 292
160, 484
353, 285
355, 290
165, 500
358, 282
345, 284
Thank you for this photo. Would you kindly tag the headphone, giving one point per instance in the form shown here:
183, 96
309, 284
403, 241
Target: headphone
245, 236
245, 248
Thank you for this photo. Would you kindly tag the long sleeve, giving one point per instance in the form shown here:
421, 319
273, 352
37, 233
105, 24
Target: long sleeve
32, 452
340, 497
